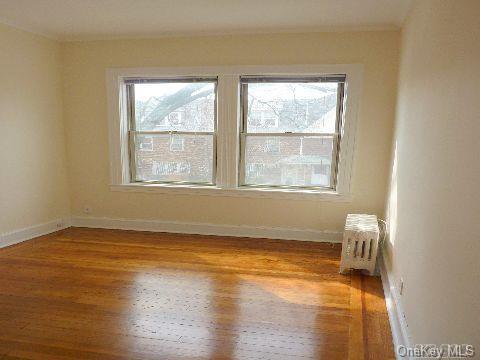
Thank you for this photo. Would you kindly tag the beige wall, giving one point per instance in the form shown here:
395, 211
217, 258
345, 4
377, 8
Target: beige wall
32, 150
87, 138
434, 204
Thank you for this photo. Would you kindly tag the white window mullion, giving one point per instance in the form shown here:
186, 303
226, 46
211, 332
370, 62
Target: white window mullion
123, 173
228, 131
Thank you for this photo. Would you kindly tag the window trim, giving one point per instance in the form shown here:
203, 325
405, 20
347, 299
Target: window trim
336, 136
228, 129
129, 84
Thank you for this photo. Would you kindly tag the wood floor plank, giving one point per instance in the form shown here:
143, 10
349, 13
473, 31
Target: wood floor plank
356, 345
110, 294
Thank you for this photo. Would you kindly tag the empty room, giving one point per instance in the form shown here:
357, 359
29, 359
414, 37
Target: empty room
245, 180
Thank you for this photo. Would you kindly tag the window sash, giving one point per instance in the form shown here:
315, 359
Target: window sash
246, 79
133, 168
337, 135
333, 168
166, 132
132, 132
174, 79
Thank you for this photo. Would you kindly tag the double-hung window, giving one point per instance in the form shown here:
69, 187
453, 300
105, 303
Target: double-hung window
175, 119
300, 118
270, 131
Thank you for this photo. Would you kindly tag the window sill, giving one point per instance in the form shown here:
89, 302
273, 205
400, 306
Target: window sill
265, 193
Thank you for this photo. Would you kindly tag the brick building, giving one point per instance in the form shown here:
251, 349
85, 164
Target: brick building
291, 159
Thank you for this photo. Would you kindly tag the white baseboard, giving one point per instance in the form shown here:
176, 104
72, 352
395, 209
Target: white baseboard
18, 236
396, 315
209, 229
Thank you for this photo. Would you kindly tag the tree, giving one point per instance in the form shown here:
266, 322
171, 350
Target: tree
292, 111
172, 102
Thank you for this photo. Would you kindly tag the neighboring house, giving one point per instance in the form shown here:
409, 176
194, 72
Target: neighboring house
290, 160
269, 160
175, 157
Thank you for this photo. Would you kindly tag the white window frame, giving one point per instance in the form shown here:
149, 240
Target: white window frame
129, 85
336, 136
228, 130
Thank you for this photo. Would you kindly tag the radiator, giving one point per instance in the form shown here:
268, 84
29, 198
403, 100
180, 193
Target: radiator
360, 243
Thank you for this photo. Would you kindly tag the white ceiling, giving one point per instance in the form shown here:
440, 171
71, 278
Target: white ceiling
103, 19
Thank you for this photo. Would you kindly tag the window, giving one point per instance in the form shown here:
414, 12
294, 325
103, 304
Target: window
255, 131
307, 113
164, 115
175, 118
146, 144
177, 143
272, 145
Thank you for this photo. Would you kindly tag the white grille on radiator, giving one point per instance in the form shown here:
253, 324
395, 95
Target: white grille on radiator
360, 243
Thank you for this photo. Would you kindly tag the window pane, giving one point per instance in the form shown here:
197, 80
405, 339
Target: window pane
306, 107
174, 158
296, 161
175, 106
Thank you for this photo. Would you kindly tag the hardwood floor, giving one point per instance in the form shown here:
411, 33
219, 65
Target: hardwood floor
109, 294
